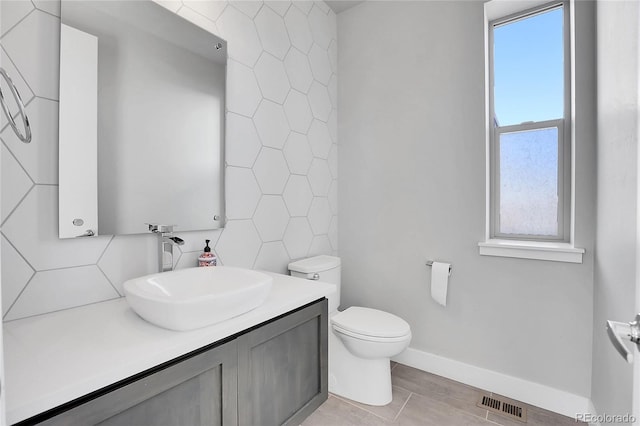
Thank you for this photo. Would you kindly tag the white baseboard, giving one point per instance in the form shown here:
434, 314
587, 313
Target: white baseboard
532, 393
592, 410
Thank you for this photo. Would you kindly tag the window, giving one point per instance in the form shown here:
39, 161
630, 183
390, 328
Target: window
529, 96
529, 128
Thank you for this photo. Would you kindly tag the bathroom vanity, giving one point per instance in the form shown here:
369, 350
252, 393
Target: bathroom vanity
103, 363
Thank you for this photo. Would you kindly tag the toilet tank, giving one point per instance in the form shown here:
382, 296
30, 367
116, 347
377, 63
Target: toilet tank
320, 268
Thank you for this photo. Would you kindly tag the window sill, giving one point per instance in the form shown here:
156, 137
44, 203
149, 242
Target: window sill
556, 252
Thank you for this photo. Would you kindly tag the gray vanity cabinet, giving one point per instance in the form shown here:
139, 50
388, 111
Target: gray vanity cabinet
272, 374
201, 390
282, 369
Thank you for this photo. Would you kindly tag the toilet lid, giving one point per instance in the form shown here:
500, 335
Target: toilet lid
371, 322
315, 264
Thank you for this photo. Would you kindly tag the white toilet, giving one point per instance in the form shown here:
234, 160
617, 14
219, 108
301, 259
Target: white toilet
361, 340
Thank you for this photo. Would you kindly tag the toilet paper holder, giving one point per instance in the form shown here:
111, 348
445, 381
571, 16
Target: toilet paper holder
430, 263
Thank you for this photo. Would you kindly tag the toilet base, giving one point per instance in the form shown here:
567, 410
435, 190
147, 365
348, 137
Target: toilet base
367, 381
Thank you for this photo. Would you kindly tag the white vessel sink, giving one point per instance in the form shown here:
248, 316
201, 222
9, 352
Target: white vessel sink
196, 297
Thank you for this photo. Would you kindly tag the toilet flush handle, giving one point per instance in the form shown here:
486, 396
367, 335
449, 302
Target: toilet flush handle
315, 276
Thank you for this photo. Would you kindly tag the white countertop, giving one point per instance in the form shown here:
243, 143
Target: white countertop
55, 358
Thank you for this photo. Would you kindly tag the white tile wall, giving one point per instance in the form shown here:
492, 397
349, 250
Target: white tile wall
298, 69
243, 143
298, 112
271, 123
271, 218
320, 215
319, 177
272, 32
298, 153
320, 139
297, 237
271, 170
320, 66
298, 195
20, 182
272, 78
281, 154
319, 100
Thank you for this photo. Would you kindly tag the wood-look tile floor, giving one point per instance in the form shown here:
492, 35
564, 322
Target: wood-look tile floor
421, 398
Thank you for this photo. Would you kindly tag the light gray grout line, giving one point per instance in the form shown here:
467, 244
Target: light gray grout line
241, 167
65, 309
184, 6
46, 12
27, 103
255, 27
45, 98
18, 23
254, 116
348, 401
285, 12
250, 17
18, 251
33, 274
108, 280
286, 250
295, 3
224, 9
17, 69
403, 405
19, 295
352, 403
250, 117
177, 260
258, 233
17, 205
262, 243
18, 161
105, 249
286, 30
62, 268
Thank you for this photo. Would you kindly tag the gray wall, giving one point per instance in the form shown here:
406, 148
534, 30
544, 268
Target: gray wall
615, 269
412, 187
281, 155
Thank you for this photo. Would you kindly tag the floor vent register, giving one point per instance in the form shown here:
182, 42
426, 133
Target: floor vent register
503, 408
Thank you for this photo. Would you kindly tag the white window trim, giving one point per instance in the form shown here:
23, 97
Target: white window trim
538, 250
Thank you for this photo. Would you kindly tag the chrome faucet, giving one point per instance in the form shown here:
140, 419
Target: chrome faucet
166, 241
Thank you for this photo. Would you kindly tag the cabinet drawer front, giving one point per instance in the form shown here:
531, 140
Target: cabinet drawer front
282, 368
201, 390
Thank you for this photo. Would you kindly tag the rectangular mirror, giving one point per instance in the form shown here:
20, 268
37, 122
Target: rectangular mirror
142, 112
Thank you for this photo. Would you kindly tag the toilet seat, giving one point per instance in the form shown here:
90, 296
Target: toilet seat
371, 324
371, 338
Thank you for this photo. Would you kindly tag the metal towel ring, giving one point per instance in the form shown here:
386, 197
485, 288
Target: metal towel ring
26, 138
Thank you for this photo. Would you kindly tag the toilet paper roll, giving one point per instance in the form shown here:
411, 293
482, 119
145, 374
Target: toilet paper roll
440, 282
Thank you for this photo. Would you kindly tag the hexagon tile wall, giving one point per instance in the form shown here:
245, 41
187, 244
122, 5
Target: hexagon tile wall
281, 154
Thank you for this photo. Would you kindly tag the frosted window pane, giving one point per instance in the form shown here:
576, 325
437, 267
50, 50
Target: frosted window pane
528, 66
529, 182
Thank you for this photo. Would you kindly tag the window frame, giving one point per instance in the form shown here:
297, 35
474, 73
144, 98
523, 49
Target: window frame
564, 213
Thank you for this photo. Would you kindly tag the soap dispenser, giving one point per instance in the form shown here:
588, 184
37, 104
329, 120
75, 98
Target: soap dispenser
207, 258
